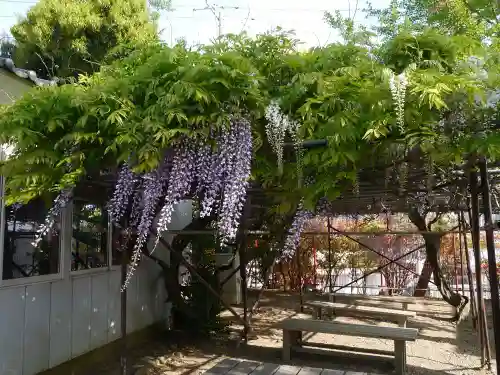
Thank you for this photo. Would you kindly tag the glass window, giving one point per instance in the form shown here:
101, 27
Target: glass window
20, 257
90, 233
119, 239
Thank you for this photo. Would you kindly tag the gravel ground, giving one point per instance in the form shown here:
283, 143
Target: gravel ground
441, 348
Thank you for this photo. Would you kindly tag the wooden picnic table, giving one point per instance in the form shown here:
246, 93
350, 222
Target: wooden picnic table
293, 339
342, 309
403, 300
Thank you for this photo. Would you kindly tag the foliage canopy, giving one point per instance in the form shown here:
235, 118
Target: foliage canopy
136, 108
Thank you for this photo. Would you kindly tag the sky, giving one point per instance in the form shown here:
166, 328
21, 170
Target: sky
197, 25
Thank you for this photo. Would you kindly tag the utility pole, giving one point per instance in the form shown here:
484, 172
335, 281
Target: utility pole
217, 13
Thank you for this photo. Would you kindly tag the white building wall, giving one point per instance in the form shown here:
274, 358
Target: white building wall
48, 320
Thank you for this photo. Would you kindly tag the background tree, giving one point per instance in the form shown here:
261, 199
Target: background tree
7, 46
473, 18
71, 37
398, 275
484, 267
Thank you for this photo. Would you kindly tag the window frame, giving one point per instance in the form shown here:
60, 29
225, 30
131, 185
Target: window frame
115, 267
109, 239
31, 279
65, 245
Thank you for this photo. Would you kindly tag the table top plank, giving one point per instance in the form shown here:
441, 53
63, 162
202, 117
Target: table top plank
349, 329
376, 311
399, 299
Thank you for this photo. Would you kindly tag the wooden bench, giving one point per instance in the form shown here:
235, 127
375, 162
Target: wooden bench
341, 309
403, 300
293, 328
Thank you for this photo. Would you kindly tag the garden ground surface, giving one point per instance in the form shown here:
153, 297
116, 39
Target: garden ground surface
441, 348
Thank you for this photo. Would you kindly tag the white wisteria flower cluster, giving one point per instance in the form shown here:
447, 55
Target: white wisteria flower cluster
398, 84
278, 125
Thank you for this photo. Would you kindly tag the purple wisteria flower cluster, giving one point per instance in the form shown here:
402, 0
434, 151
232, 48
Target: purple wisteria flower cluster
216, 176
123, 190
292, 240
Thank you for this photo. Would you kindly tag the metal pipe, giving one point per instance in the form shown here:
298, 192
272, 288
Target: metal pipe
492, 262
472, 295
123, 305
377, 252
461, 256
329, 255
243, 267
378, 268
301, 281
317, 233
474, 222
455, 263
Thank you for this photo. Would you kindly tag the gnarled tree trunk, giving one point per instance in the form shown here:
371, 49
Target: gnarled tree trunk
432, 247
424, 279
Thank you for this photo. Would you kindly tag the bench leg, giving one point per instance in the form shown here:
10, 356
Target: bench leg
296, 338
400, 357
405, 306
317, 313
287, 345
402, 323
290, 338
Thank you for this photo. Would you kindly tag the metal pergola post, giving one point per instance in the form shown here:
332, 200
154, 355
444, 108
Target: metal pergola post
329, 255
472, 294
123, 302
243, 247
475, 232
461, 254
492, 262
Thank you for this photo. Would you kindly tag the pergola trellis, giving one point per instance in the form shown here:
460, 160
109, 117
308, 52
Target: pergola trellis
466, 193
374, 197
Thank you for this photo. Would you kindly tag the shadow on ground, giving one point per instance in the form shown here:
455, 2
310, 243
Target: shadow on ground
360, 363
467, 338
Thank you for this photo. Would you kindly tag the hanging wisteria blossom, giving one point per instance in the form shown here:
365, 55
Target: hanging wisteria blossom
278, 125
275, 130
123, 191
398, 84
292, 240
216, 176
236, 180
60, 202
153, 190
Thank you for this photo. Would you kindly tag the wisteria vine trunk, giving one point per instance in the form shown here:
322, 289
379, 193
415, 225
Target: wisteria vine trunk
432, 247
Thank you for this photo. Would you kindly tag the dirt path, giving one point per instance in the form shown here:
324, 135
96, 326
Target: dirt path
441, 348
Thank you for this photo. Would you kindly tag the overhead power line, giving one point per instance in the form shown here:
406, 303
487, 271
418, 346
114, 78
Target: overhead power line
222, 7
